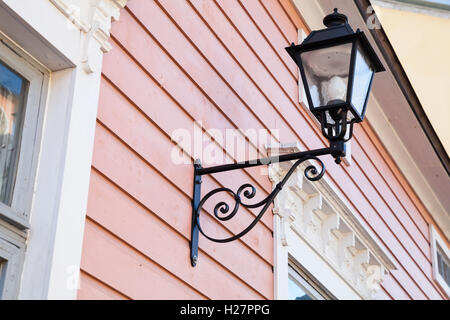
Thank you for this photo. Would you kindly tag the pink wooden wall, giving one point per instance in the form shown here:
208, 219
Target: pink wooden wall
222, 62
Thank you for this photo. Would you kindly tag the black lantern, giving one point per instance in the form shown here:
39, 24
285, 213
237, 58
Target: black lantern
337, 67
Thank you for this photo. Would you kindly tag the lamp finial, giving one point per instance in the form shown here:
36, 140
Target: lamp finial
335, 19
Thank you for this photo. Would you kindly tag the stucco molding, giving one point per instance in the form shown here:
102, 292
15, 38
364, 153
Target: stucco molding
319, 214
93, 18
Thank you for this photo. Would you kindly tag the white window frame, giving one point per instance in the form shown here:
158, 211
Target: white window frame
15, 219
19, 211
436, 240
299, 250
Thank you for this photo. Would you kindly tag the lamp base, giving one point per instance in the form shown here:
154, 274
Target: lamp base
337, 150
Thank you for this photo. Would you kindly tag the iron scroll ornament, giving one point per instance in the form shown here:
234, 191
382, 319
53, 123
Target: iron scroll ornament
224, 212
249, 191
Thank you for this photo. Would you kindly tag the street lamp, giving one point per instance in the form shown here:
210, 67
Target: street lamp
337, 66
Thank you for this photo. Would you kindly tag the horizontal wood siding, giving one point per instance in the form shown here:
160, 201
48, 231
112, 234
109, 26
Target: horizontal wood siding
222, 63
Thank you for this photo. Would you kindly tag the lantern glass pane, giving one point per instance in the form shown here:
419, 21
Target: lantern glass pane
361, 81
326, 72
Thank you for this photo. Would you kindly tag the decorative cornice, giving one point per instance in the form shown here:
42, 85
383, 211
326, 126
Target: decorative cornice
72, 11
93, 18
317, 213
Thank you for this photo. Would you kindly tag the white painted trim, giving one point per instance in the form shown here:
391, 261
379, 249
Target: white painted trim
312, 261
280, 260
53, 253
73, 186
311, 12
435, 241
309, 260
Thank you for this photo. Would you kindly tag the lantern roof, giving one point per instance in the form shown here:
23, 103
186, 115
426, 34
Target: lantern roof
337, 31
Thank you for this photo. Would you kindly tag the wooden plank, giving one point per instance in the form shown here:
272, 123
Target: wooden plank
354, 194
250, 34
127, 270
293, 14
267, 96
391, 286
154, 145
382, 295
174, 120
389, 219
130, 221
286, 24
138, 178
176, 82
392, 202
226, 68
281, 99
253, 39
262, 20
93, 289
258, 28
389, 171
414, 209
191, 62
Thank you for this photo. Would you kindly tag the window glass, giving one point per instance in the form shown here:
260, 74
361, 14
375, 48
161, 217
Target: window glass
13, 89
300, 289
296, 291
443, 265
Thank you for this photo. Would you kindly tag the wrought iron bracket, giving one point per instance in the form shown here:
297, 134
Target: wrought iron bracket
222, 210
